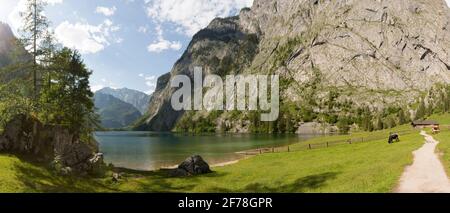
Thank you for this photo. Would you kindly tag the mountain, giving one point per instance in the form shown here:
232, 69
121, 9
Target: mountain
115, 113
138, 99
11, 52
6, 44
333, 58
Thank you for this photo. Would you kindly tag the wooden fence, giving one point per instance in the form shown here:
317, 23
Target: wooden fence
309, 146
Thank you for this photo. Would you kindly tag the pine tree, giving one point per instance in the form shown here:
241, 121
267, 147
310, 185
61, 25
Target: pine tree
402, 117
379, 124
366, 122
33, 33
421, 110
390, 122
68, 101
343, 125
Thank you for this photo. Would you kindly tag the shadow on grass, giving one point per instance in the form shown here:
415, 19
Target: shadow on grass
43, 180
303, 184
161, 181
38, 179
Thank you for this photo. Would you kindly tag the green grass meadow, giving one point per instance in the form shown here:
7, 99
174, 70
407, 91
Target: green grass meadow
444, 139
366, 167
372, 166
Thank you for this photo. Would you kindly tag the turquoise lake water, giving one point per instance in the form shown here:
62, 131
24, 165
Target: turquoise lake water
150, 151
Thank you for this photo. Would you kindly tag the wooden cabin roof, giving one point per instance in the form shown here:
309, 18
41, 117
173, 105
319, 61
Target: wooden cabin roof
425, 123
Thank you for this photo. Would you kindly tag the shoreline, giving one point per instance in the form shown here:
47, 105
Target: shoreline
246, 154
225, 163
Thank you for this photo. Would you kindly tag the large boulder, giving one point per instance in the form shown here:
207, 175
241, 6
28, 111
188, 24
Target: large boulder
56, 145
194, 165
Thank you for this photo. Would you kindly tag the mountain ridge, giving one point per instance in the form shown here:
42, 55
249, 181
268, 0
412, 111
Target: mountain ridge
136, 98
11, 52
114, 113
371, 53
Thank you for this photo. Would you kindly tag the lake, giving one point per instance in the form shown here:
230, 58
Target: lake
150, 151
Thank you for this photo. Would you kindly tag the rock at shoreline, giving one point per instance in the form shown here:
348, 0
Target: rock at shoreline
116, 177
25, 135
194, 165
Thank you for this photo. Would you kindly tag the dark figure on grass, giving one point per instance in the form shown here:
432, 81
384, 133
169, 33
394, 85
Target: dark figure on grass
393, 137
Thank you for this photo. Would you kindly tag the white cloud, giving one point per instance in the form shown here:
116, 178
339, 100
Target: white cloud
150, 81
52, 2
97, 87
448, 2
119, 40
193, 15
162, 44
85, 37
14, 18
10, 11
6, 9
143, 29
106, 11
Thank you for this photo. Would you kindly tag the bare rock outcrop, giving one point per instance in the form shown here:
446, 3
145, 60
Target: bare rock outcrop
194, 165
25, 135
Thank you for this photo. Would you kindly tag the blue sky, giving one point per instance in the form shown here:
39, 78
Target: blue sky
127, 43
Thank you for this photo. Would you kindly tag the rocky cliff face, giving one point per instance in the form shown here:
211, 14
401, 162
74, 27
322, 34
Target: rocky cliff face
6, 44
374, 52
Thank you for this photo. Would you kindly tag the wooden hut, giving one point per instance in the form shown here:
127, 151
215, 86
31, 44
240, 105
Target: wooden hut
425, 124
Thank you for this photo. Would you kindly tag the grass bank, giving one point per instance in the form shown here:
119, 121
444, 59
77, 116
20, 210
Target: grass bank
444, 139
374, 166
17, 175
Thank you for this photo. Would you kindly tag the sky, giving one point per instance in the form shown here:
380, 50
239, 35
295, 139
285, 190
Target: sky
127, 43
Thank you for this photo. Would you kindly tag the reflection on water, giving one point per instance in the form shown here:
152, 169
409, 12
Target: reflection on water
149, 151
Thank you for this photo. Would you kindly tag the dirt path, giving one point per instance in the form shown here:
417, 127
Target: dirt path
426, 174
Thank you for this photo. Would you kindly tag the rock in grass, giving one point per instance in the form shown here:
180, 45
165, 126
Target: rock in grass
194, 165
178, 173
116, 177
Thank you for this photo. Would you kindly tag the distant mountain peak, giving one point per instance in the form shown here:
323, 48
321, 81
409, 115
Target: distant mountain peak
115, 113
136, 98
11, 51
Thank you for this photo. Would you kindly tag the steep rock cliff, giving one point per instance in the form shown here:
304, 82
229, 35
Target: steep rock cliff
374, 52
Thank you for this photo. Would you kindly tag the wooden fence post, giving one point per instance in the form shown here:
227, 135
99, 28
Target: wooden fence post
327, 145
350, 141
273, 150
309, 146
260, 152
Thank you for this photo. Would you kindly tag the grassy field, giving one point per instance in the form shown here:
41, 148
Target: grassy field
356, 137
444, 139
366, 167
19, 176
362, 167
